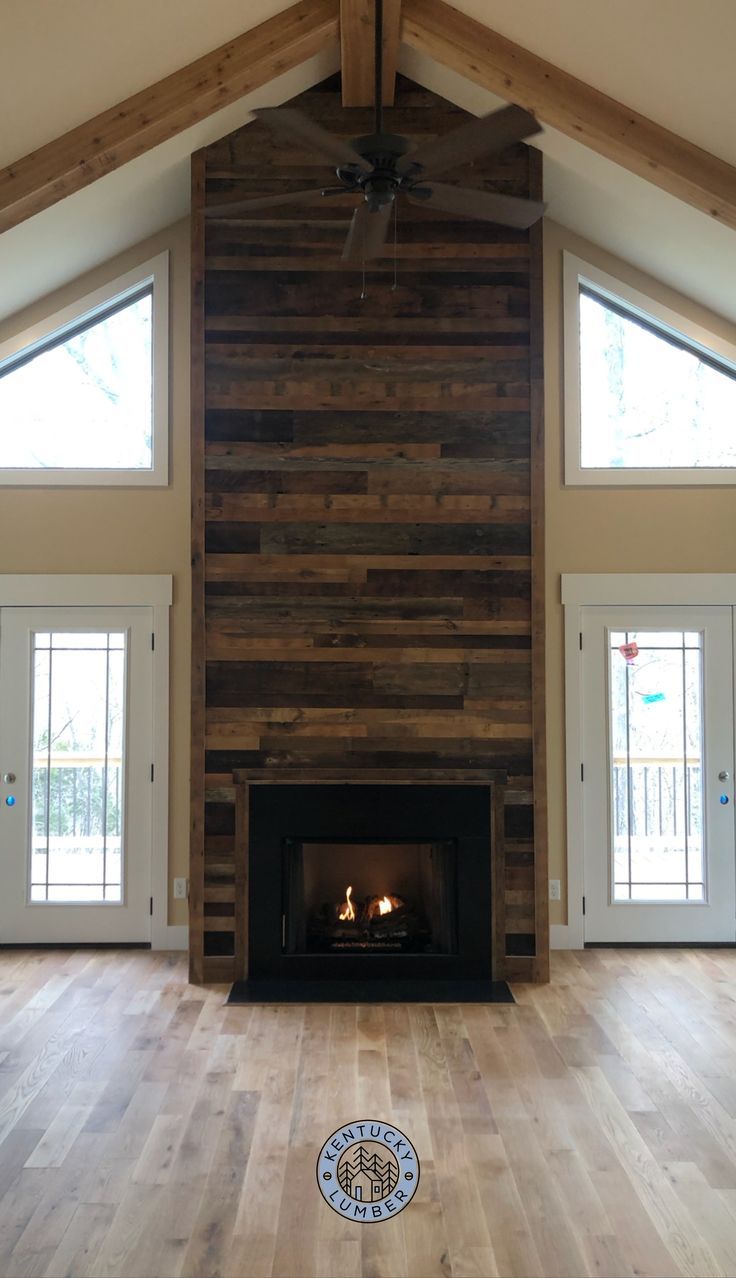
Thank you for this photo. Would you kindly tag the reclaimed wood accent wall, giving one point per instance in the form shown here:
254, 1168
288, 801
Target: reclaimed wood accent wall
366, 483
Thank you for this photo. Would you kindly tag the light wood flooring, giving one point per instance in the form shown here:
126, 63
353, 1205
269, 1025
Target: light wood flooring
146, 1129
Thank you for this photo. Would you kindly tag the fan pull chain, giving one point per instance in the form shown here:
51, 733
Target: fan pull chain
363, 293
395, 284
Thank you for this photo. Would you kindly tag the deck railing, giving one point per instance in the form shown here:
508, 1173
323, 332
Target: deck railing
81, 800
657, 798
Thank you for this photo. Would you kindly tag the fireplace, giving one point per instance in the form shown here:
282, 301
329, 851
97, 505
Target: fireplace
378, 886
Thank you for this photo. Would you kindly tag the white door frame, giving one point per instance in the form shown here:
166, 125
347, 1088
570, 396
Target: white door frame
41, 590
578, 591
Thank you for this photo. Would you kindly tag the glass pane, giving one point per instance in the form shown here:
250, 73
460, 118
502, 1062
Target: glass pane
646, 401
65, 894
80, 639
85, 403
658, 892
78, 768
657, 639
656, 737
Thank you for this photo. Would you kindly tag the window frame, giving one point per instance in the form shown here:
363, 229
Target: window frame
52, 330
673, 326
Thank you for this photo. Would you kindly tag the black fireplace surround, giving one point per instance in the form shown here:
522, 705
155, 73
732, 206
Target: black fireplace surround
417, 919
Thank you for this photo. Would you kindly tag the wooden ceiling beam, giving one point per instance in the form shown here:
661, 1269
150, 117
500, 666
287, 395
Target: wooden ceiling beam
571, 106
166, 108
356, 47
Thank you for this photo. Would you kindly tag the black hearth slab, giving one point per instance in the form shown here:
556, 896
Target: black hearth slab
370, 992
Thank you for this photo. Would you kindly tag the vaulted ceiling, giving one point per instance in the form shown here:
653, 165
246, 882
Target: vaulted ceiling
667, 59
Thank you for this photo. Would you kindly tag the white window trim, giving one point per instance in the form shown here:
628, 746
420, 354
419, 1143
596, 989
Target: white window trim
156, 592
156, 273
628, 589
575, 272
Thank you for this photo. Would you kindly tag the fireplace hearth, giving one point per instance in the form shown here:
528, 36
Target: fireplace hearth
351, 886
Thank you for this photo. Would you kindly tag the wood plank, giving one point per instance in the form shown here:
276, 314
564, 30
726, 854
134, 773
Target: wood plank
608, 127
264, 508
397, 776
218, 969
132, 127
357, 37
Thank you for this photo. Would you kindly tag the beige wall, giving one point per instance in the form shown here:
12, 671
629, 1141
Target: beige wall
612, 530
588, 530
123, 530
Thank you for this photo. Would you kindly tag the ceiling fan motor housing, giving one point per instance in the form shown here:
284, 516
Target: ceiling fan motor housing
382, 151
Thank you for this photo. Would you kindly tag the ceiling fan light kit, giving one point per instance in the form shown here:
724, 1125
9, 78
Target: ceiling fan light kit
381, 167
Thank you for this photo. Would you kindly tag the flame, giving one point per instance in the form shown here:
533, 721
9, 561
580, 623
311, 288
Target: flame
348, 912
380, 905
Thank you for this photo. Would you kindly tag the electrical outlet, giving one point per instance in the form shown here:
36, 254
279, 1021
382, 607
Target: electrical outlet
180, 889
554, 889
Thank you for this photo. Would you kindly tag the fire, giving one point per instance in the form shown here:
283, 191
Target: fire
380, 905
348, 912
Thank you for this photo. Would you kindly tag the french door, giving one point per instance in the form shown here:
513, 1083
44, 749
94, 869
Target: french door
75, 774
658, 759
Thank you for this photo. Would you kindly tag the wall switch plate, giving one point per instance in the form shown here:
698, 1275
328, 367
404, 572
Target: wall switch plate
180, 889
554, 890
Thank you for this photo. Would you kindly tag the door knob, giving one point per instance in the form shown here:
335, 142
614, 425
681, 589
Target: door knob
9, 778
722, 776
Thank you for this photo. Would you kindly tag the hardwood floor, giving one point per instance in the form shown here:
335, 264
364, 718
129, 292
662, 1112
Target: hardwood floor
146, 1129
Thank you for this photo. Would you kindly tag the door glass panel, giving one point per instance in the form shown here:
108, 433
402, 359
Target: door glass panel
656, 777
78, 766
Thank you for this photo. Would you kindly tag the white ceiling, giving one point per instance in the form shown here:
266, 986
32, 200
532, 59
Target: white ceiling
670, 59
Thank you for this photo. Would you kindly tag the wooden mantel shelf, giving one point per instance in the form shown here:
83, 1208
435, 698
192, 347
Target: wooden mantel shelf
370, 776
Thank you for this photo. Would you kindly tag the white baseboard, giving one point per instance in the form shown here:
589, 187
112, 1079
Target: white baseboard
564, 937
170, 937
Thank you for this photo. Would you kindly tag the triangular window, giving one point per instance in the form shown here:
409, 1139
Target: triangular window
652, 402
78, 401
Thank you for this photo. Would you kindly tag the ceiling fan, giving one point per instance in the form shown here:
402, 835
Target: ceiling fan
382, 166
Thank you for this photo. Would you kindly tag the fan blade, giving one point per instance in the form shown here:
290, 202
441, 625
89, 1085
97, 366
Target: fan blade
297, 127
507, 210
367, 234
472, 140
240, 207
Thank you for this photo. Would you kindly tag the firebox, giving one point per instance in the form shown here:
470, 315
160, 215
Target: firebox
368, 882
369, 898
